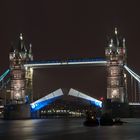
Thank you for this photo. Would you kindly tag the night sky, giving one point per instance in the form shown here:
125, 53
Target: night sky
69, 29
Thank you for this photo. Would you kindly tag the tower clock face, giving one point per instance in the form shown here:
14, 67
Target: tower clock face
114, 71
115, 93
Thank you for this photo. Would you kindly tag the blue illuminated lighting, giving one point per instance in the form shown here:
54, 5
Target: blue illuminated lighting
92, 100
4, 75
44, 101
96, 103
38, 106
96, 61
27, 99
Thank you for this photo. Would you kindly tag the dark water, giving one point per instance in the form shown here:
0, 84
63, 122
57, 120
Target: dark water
66, 129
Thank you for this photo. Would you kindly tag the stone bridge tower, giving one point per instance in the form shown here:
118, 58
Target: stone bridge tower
21, 78
116, 78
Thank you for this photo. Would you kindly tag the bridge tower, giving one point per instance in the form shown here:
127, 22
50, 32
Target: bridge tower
116, 78
21, 78
21, 81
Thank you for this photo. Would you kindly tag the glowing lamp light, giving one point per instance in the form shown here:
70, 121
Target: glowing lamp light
31, 70
33, 106
17, 96
102, 98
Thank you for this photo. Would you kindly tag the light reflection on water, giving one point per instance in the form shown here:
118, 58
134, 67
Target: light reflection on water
68, 129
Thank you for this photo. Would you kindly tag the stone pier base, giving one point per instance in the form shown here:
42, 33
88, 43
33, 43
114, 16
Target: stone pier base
17, 111
117, 109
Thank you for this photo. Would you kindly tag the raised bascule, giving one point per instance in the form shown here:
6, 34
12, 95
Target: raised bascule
19, 77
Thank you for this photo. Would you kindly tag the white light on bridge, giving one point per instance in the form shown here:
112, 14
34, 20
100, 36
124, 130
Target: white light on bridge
137, 77
66, 63
134, 103
76, 93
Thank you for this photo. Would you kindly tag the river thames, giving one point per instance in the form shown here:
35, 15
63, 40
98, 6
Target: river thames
66, 129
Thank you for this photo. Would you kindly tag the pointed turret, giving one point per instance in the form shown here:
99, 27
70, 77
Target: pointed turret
21, 36
111, 43
116, 31
116, 38
124, 43
21, 46
30, 48
30, 54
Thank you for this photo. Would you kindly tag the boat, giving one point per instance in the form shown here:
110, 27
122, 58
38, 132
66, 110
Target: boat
91, 120
118, 121
106, 119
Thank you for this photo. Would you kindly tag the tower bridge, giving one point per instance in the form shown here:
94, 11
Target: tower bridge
19, 76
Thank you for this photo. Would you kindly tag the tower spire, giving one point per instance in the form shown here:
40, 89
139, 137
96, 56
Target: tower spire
30, 48
124, 42
116, 39
116, 31
21, 36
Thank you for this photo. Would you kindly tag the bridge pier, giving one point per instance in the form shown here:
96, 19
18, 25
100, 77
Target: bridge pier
17, 111
116, 109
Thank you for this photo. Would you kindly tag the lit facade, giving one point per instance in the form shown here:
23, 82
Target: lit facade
116, 78
18, 56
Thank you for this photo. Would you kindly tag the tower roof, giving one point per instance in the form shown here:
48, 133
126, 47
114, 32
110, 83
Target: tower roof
116, 40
